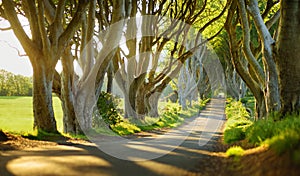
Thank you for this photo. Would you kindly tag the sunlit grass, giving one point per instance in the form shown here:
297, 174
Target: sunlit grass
238, 120
235, 151
16, 114
280, 135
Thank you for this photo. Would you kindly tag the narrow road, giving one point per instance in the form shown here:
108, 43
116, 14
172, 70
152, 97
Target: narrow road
177, 152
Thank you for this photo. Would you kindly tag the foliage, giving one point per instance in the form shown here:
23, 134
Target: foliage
108, 115
238, 120
125, 128
107, 106
14, 85
235, 151
281, 135
173, 115
249, 102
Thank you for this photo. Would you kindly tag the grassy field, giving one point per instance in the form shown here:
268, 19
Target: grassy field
16, 114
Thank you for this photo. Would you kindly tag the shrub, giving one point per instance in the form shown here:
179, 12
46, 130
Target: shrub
260, 131
107, 106
233, 134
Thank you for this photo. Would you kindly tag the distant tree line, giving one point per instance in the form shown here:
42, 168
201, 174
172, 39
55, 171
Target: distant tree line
14, 85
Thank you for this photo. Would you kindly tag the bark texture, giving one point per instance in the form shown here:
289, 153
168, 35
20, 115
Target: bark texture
288, 56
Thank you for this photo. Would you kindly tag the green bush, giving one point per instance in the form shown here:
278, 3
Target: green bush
286, 140
108, 115
233, 134
260, 131
107, 106
281, 135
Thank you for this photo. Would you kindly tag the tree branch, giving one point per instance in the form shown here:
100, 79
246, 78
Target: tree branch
32, 16
273, 19
30, 48
73, 25
41, 25
246, 42
49, 11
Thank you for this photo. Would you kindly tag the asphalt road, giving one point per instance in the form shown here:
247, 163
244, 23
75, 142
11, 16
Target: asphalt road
177, 152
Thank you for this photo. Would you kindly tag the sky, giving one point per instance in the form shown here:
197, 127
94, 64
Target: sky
10, 48
9, 56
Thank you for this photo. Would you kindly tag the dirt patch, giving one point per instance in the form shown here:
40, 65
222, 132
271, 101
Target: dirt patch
15, 142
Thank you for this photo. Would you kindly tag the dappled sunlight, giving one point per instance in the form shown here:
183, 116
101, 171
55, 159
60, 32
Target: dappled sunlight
57, 161
195, 131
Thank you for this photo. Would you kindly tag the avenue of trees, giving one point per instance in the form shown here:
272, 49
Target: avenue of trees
257, 42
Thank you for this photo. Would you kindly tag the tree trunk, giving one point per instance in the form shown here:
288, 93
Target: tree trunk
152, 106
70, 122
109, 79
260, 107
84, 107
128, 109
271, 83
287, 56
42, 98
140, 103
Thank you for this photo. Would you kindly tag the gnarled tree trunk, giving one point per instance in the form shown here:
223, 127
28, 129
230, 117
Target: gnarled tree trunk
42, 98
70, 123
288, 56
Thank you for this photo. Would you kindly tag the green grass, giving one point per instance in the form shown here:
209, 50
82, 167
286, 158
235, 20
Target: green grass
16, 114
280, 135
238, 121
235, 151
125, 128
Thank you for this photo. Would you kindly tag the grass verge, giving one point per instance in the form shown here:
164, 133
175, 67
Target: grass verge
279, 135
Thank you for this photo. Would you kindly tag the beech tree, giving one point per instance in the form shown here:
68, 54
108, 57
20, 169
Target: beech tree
143, 83
235, 86
50, 33
261, 80
92, 49
275, 84
287, 56
191, 77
